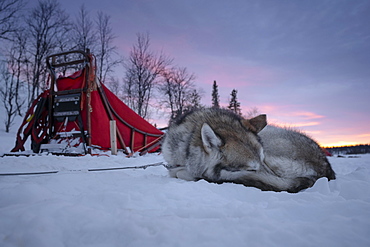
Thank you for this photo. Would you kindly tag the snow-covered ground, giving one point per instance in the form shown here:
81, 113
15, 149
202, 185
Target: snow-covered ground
145, 207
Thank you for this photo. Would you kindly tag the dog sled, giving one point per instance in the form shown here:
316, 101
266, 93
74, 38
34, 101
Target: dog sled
78, 113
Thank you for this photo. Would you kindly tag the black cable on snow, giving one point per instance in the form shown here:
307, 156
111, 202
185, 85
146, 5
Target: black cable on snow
27, 173
126, 167
89, 170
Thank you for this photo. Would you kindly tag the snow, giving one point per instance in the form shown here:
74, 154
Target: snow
145, 207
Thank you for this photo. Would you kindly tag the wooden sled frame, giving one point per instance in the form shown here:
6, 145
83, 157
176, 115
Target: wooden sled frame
41, 127
89, 86
86, 61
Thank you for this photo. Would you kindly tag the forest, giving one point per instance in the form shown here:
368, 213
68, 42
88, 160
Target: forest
348, 150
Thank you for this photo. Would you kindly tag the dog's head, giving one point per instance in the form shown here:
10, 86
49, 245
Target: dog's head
234, 151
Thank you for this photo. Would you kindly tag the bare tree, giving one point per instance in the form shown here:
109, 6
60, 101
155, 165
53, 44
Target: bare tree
9, 14
16, 59
143, 69
84, 35
195, 98
7, 96
9, 91
64, 41
114, 85
179, 90
105, 50
252, 112
45, 25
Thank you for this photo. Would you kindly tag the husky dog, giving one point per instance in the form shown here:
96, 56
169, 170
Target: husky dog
220, 146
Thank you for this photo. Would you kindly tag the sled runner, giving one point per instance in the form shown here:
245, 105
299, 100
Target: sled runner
74, 114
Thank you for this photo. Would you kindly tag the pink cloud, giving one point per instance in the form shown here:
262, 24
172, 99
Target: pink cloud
307, 115
304, 124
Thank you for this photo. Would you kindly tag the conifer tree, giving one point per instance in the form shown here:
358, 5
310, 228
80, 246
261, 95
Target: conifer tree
215, 96
234, 105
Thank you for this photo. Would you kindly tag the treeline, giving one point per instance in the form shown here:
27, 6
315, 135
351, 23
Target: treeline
28, 34
357, 149
152, 82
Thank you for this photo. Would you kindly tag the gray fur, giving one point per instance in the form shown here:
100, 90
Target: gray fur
219, 146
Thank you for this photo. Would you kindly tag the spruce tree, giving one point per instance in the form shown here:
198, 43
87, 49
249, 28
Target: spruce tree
234, 105
215, 96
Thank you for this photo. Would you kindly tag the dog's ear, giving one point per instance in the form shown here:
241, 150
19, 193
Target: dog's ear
209, 138
255, 124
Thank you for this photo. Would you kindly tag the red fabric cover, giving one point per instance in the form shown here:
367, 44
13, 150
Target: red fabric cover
100, 119
100, 122
74, 81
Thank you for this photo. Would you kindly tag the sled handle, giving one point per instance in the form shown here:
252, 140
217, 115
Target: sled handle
50, 60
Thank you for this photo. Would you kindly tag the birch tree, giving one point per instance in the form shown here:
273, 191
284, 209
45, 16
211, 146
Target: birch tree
10, 87
84, 32
46, 24
178, 90
143, 70
9, 17
105, 51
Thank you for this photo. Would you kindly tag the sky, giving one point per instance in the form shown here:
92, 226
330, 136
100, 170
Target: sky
306, 64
